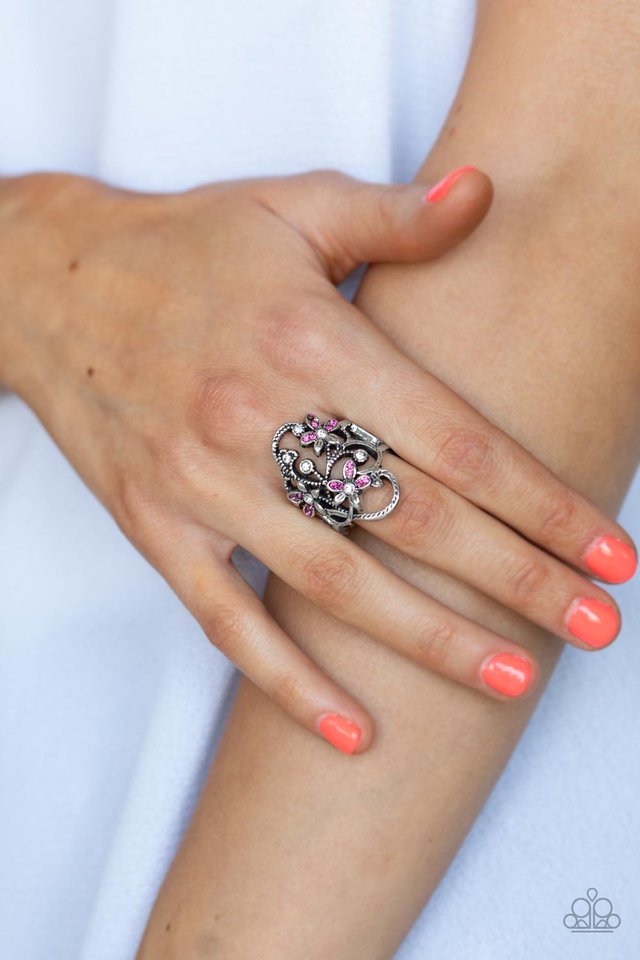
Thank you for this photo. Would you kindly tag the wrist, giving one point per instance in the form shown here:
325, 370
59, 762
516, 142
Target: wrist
22, 242
35, 255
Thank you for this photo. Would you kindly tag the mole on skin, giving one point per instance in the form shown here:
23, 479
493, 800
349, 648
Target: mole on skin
73, 266
90, 371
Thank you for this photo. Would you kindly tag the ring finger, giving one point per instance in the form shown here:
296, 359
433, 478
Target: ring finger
342, 578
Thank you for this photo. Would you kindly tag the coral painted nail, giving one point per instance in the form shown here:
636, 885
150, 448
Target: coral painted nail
508, 674
593, 622
342, 733
611, 559
442, 188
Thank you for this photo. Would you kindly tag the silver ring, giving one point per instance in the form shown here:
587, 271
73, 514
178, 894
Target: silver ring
352, 464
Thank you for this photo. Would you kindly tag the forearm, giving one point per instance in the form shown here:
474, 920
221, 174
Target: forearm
550, 93
296, 850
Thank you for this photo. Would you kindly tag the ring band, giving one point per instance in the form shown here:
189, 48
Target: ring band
353, 463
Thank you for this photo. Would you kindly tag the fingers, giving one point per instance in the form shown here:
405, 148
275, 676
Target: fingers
236, 622
351, 222
430, 426
437, 526
340, 577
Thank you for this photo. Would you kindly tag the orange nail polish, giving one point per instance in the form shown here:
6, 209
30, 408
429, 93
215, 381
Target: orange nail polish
508, 674
611, 559
593, 622
442, 188
342, 733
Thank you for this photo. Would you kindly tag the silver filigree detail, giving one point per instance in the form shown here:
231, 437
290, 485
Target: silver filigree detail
334, 497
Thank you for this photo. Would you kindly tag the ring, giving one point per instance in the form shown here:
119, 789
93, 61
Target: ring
353, 463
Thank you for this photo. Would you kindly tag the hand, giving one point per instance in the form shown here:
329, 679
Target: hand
162, 339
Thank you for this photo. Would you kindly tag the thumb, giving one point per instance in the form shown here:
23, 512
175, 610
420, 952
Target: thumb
349, 221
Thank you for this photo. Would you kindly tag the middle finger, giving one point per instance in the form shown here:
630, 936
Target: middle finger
433, 524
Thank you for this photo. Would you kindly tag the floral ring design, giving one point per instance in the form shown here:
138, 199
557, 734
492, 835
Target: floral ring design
332, 487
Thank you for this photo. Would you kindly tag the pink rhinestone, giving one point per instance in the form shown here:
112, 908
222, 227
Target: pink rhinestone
308, 437
308, 509
331, 424
363, 482
349, 470
295, 497
335, 484
313, 420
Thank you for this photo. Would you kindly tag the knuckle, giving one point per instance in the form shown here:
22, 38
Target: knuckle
387, 207
298, 338
328, 575
558, 515
434, 643
328, 178
128, 504
465, 458
526, 579
420, 515
176, 457
225, 627
186, 472
288, 691
225, 406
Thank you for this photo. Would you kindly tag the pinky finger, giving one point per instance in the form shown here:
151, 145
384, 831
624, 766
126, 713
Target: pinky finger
236, 622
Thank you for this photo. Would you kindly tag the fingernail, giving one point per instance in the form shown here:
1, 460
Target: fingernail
611, 559
592, 621
508, 674
342, 733
442, 188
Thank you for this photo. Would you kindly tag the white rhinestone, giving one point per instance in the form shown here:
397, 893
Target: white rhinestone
306, 466
288, 456
360, 456
349, 488
321, 434
298, 429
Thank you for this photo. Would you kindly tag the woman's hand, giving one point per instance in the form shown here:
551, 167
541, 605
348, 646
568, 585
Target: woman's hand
162, 339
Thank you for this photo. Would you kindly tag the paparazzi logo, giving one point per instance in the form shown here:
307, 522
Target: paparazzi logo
591, 914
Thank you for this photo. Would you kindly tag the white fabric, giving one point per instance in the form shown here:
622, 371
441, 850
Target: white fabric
111, 700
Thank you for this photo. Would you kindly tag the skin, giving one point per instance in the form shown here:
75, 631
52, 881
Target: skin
327, 855
154, 334
107, 315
